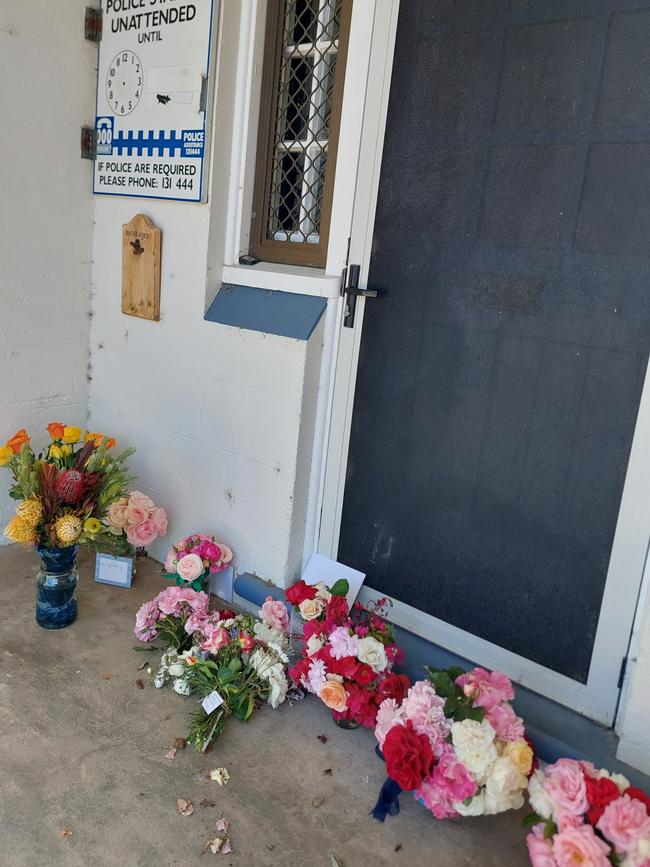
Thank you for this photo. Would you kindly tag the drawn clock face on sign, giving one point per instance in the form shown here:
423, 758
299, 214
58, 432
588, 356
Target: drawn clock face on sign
124, 81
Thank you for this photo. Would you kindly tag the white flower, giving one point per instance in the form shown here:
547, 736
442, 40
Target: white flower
621, 781
644, 847
279, 686
475, 747
476, 806
176, 669
322, 592
314, 644
278, 650
372, 652
264, 632
541, 803
181, 686
504, 787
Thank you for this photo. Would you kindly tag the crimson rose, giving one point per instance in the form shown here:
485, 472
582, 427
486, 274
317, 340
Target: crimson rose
299, 592
408, 756
600, 793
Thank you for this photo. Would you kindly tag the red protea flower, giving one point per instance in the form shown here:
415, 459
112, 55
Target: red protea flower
70, 486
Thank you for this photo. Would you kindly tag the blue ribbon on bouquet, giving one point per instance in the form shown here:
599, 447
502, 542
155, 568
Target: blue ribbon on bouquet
388, 801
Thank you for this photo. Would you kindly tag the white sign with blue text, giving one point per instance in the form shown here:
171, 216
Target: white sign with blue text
152, 97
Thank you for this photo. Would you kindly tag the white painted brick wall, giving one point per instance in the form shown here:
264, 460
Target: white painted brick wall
46, 217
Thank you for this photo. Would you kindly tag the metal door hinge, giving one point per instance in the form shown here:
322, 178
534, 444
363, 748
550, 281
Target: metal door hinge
93, 24
621, 676
350, 289
88, 143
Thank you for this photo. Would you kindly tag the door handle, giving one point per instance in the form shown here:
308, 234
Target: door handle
351, 291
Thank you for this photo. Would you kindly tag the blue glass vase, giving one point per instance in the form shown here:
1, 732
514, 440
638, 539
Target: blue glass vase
56, 587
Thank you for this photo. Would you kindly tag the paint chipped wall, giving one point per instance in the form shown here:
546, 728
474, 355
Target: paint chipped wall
46, 217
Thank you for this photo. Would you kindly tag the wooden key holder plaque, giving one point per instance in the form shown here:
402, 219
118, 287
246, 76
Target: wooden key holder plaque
141, 244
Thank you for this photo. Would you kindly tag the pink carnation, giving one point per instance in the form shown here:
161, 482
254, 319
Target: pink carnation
434, 800
425, 709
624, 822
540, 851
505, 722
452, 779
580, 846
486, 688
196, 622
388, 716
146, 620
275, 614
343, 644
215, 638
565, 785
174, 600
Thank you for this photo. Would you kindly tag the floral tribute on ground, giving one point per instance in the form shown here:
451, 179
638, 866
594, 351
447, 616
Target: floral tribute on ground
192, 560
455, 742
586, 816
347, 656
232, 662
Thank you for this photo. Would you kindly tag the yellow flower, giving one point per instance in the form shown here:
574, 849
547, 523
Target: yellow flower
30, 511
71, 434
59, 452
521, 755
67, 529
92, 526
20, 530
6, 454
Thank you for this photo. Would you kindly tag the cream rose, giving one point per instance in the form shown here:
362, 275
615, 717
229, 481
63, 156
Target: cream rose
314, 644
116, 516
333, 695
475, 747
311, 608
504, 789
520, 754
137, 498
190, 567
373, 653
538, 796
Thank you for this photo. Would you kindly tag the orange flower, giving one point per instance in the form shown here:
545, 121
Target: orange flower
18, 440
333, 695
97, 438
55, 430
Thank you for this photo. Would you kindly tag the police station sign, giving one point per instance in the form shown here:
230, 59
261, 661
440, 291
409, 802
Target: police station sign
151, 125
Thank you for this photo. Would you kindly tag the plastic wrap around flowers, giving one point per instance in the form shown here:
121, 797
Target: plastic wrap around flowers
192, 560
586, 816
457, 744
347, 655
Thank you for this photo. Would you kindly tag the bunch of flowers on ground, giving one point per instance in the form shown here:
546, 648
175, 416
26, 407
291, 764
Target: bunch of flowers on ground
457, 744
138, 518
586, 816
237, 661
191, 561
347, 656
65, 492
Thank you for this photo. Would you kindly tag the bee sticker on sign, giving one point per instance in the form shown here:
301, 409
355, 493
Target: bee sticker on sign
151, 124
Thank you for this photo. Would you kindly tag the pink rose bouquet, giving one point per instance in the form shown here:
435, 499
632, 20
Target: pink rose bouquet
192, 560
165, 616
456, 743
586, 816
347, 656
138, 518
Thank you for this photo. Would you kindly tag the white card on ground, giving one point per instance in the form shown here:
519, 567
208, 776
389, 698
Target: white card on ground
221, 584
113, 570
212, 702
321, 568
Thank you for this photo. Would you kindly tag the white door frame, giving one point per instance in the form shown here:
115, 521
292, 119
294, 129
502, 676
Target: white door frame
598, 698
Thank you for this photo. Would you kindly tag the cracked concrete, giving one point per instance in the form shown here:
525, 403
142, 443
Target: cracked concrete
82, 748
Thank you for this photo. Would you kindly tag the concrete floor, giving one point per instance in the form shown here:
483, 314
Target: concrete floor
82, 748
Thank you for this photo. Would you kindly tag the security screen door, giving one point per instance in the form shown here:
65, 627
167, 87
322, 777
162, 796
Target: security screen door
502, 367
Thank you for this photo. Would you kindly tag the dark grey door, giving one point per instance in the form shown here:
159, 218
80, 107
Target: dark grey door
501, 369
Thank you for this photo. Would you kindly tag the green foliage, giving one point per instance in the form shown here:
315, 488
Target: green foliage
457, 705
26, 473
531, 819
340, 587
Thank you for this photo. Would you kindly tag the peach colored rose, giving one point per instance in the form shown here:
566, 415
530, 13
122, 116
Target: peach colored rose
137, 498
117, 514
190, 567
333, 695
311, 608
140, 535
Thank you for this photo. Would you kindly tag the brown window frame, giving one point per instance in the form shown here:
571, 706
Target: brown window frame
291, 252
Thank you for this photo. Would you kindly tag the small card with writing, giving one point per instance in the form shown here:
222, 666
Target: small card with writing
113, 570
212, 701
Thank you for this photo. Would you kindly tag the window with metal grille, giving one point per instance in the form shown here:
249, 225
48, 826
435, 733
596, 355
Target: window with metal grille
302, 91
